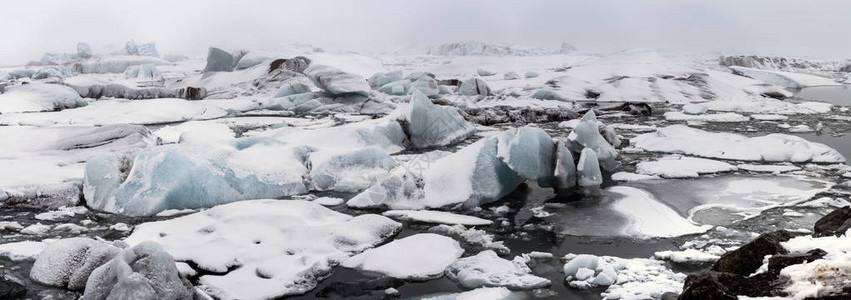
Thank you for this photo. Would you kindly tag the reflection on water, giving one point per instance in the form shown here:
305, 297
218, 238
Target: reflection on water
837, 95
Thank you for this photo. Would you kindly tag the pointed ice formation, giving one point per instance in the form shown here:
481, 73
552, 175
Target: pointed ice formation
218, 60
565, 170
587, 135
588, 169
431, 125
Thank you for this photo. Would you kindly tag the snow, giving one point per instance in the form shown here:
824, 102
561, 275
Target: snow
67, 263
626, 176
687, 256
418, 257
628, 279
440, 217
385, 134
768, 148
717, 118
328, 201
784, 79
826, 202
282, 247
682, 167
194, 176
39, 97
36, 229
769, 117
485, 293
694, 109
25, 250
823, 276
487, 269
104, 112
472, 236
117, 63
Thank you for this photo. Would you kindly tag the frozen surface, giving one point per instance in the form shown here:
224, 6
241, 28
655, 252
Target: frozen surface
281, 247
348, 170
489, 270
769, 148
784, 79
418, 257
430, 216
103, 112
38, 97
25, 250
682, 167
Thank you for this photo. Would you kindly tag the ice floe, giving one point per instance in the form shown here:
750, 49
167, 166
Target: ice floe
489, 270
418, 257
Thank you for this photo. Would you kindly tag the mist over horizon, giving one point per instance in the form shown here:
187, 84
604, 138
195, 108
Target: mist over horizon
189, 27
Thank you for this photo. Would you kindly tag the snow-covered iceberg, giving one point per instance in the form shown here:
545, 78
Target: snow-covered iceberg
418, 257
264, 249
487, 269
142, 272
38, 97
67, 263
335, 81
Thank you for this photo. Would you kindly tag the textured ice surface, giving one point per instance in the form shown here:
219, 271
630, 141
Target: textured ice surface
418, 257
336, 81
195, 176
430, 216
403, 187
682, 167
528, 151
348, 170
37, 97
772, 147
281, 247
488, 269
431, 125
380, 79
67, 263
626, 279
142, 272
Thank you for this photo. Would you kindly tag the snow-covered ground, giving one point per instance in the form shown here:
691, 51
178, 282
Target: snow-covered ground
454, 175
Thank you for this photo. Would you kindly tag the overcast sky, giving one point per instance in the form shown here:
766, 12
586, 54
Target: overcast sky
817, 29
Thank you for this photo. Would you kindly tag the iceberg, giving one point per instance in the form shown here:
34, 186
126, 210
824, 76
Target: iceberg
636, 278
115, 63
586, 135
682, 139
262, 249
52, 71
487, 269
67, 263
142, 272
588, 169
396, 88
430, 125
348, 170
565, 169
218, 60
380, 79
528, 152
144, 72
474, 87
194, 176
421, 256
335, 81
292, 87
39, 97
84, 50
426, 85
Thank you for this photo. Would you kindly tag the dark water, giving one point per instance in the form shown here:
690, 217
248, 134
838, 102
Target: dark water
837, 95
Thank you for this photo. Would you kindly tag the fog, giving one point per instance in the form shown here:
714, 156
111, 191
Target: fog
816, 29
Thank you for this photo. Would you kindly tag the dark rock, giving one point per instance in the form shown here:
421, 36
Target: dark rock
747, 259
297, 64
451, 82
774, 95
669, 296
778, 262
11, 290
633, 108
712, 286
506, 114
219, 60
192, 93
835, 223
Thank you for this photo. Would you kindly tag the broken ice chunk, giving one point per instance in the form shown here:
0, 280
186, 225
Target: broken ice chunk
335, 81
488, 269
565, 169
588, 169
38, 97
418, 257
